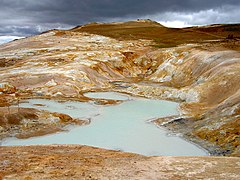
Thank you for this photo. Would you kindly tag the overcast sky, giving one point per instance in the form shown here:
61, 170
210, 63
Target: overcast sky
28, 17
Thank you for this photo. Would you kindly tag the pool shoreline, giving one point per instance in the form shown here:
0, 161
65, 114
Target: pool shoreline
143, 126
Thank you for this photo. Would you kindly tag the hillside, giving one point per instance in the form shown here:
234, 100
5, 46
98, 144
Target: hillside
162, 36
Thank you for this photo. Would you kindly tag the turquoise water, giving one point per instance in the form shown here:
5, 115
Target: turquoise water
108, 95
122, 127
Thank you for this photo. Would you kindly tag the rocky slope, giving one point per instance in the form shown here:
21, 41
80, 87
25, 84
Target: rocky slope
206, 82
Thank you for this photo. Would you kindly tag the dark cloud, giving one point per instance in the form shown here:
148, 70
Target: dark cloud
27, 17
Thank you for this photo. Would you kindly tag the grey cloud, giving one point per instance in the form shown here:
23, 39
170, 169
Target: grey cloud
26, 17
228, 14
18, 30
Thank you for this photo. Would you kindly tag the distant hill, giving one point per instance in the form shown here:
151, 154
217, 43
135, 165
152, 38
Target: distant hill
161, 35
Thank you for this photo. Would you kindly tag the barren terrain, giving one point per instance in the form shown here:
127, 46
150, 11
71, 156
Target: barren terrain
198, 67
83, 162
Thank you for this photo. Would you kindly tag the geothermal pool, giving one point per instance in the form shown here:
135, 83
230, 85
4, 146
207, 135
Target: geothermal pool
121, 126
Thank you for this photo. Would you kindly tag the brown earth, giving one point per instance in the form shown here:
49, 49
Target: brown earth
28, 122
83, 162
162, 36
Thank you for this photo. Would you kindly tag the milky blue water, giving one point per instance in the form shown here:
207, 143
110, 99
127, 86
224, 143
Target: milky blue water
122, 127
